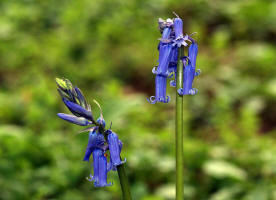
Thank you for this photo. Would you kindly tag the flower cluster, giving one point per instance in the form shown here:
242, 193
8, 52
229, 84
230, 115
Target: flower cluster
104, 145
173, 39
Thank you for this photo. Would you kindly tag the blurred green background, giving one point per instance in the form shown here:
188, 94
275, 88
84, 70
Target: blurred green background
108, 48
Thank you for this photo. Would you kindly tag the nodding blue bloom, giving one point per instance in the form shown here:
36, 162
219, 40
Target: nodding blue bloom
95, 141
75, 120
165, 50
178, 29
102, 178
189, 72
78, 110
164, 59
115, 147
160, 90
97, 153
97, 144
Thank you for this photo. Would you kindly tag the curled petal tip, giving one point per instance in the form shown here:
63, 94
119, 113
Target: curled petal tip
198, 72
172, 83
154, 70
90, 178
151, 100
193, 91
167, 99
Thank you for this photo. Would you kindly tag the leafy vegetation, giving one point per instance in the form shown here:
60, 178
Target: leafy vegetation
108, 49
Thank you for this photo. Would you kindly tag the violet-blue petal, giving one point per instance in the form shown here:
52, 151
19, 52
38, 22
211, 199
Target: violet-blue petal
160, 90
164, 59
95, 141
178, 27
173, 60
114, 148
81, 99
75, 120
179, 38
78, 110
97, 154
192, 54
188, 78
101, 181
166, 33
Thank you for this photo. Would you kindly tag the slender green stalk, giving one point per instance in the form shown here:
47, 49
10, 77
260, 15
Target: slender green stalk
124, 182
179, 128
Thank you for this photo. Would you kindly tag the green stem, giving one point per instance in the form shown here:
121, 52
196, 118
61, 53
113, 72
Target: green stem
124, 182
179, 128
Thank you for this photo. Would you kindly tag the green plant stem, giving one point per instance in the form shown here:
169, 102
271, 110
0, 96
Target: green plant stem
124, 182
179, 128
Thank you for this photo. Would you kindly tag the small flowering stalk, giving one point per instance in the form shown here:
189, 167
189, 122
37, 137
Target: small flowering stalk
100, 141
173, 63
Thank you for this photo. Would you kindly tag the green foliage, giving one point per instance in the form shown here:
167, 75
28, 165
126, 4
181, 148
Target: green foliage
108, 48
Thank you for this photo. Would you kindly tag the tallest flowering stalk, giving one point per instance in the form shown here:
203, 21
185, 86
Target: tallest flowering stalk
173, 63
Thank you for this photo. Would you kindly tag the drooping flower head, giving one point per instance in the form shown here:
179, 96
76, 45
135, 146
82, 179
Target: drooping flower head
96, 140
100, 140
189, 71
115, 147
172, 40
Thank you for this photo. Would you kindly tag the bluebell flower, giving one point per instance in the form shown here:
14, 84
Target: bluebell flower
189, 72
164, 60
165, 52
160, 90
97, 153
75, 120
102, 178
178, 30
115, 147
97, 144
95, 141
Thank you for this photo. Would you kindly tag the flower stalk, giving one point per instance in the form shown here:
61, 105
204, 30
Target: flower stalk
124, 182
179, 128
